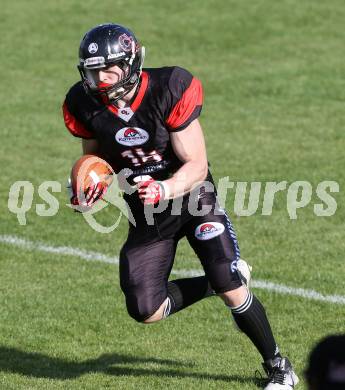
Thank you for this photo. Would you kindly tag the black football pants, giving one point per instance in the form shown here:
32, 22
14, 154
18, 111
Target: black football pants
147, 256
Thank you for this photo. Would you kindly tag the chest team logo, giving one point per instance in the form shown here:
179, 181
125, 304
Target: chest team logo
130, 136
209, 230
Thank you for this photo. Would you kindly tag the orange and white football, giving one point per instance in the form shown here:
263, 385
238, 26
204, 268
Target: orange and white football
90, 170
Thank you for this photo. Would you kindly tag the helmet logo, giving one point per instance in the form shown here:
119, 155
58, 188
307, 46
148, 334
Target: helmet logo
116, 55
125, 42
93, 47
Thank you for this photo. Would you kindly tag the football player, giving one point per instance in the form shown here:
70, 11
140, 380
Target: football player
146, 120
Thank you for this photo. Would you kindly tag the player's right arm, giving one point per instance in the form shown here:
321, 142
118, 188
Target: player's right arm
90, 146
77, 126
74, 114
75, 120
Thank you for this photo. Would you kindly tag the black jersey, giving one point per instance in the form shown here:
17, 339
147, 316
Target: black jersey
137, 137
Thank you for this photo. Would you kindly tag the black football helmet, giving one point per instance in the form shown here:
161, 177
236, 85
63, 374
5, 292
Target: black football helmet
107, 45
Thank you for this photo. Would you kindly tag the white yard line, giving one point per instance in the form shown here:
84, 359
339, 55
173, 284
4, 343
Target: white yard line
96, 256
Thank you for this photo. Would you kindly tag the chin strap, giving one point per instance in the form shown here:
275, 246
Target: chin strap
125, 92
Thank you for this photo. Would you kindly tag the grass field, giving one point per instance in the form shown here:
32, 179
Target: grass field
273, 75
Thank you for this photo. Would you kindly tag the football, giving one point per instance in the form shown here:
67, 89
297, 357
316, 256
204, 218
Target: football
89, 170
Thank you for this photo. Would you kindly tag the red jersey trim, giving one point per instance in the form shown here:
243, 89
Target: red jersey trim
184, 108
73, 125
138, 99
140, 96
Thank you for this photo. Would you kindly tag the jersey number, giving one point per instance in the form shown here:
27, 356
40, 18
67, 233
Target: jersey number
139, 157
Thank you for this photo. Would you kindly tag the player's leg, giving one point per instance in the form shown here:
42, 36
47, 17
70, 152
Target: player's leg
187, 291
181, 294
144, 272
214, 240
219, 253
184, 292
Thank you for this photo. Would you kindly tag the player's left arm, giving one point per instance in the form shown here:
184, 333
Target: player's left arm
184, 98
189, 146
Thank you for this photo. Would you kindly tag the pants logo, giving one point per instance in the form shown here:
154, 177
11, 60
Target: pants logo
209, 230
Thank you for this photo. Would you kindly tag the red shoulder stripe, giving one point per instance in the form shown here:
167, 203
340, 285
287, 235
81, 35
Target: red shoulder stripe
191, 98
73, 125
143, 87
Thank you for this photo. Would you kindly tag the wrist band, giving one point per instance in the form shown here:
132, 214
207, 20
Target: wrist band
165, 189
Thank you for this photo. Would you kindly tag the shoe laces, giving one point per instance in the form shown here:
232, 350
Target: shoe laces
260, 379
277, 376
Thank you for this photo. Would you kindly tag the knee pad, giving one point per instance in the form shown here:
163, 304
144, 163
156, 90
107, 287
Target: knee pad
140, 309
244, 271
222, 275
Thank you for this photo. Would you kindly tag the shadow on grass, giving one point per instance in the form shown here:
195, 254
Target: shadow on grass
38, 365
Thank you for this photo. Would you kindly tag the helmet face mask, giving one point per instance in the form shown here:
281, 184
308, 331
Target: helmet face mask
103, 47
92, 78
